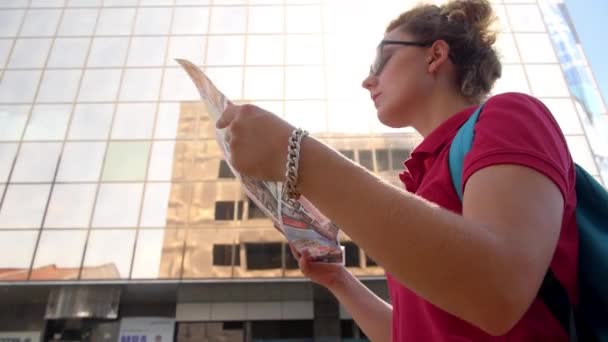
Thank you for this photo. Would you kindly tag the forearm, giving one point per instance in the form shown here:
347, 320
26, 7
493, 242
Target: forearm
451, 262
372, 314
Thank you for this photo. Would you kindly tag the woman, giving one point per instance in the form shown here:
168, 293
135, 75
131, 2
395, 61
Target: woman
467, 271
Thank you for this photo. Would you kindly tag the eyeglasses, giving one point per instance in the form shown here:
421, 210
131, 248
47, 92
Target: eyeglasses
379, 63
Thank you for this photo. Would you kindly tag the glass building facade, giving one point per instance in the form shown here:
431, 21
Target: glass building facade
109, 171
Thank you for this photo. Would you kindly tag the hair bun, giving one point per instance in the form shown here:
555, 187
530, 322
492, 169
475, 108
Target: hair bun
478, 15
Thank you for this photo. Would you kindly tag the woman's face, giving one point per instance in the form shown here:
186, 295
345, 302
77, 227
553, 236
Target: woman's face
399, 80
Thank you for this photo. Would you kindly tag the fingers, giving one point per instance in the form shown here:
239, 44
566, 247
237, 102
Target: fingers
227, 117
295, 252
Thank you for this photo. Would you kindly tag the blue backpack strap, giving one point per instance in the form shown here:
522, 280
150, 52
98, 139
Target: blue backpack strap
460, 147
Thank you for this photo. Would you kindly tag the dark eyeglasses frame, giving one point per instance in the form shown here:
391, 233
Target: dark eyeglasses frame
379, 63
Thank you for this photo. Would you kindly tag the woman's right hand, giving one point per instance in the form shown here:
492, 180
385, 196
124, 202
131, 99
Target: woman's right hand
329, 275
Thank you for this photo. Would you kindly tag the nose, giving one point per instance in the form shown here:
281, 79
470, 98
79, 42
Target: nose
369, 81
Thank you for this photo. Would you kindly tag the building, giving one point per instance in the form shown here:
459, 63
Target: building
115, 204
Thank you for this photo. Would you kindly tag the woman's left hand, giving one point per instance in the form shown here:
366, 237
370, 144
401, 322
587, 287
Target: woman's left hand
258, 141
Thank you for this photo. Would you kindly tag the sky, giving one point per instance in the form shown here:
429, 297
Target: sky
589, 17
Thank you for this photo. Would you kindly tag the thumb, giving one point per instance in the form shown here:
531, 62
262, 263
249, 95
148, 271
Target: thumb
227, 117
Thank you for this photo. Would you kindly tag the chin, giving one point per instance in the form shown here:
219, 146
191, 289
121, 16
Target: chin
391, 119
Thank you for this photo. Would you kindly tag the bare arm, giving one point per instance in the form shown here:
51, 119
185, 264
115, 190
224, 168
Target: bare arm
485, 266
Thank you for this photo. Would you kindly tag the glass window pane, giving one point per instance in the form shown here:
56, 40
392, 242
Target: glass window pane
147, 51
47, 3
5, 48
536, 48
29, 53
304, 49
351, 255
525, 18
91, 122
12, 121
303, 19
126, 161
48, 122
60, 254
40, 22
18, 85
198, 262
81, 162
115, 21
84, 3
99, 264
120, 3
223, 255
14, 4
153, 21
17, 250
69, 52
7, 157
23, 206
547, 80
161, 161
190, 20
366, 160
78, 22
513, 79
263, 256
507, 49
167, 120
275, 107
344, 83
264, 83
178, 87
59, 85
399, 156
118, 205
10, 20
156, 204
266, 19
134, 121
382, 161
140, 85
107, 52
225, 171
229, 80
228, 20
581, 153
304, 83
99, 85
226, 50
158, 254
565, 113
307, 114
70, 206
190, 48
265, 50
36, 162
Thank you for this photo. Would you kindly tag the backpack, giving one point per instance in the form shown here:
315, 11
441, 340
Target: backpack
587, 321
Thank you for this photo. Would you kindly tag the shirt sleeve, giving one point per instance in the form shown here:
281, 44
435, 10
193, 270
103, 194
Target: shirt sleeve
518, 129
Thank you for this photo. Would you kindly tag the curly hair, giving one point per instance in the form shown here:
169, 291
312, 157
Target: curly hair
466, 25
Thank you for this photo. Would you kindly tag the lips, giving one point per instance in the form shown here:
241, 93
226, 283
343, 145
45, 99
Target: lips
374, 97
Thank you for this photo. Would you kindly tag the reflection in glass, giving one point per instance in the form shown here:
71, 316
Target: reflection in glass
40, 23
134, 121
156, 205
99, 85
226, 255
48, 122
202, 209
190, 48
58, 255
23, 206
99, 263
19, 85
161, 161
70, 206
91, 121
12, 122
228, 20
16, 257
81, 162
7, 158
264, 83
36, 162
263, 256
265, 50
78, 22
11, 20
190, 20
118, 205
351, 254
158, 254
115, 21
140, 85
265, 19
153, 21
108, 52
198, 257
303, 19
69, 52
126, 161
147, 51
206, 160
226, 50
29, 53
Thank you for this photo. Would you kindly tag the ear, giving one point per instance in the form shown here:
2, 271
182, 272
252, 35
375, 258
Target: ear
438, 54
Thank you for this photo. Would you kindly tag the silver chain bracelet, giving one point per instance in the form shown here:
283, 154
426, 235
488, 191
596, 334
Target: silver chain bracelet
293, 163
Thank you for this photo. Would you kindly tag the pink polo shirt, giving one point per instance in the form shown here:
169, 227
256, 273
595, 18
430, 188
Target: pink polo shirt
512, 129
